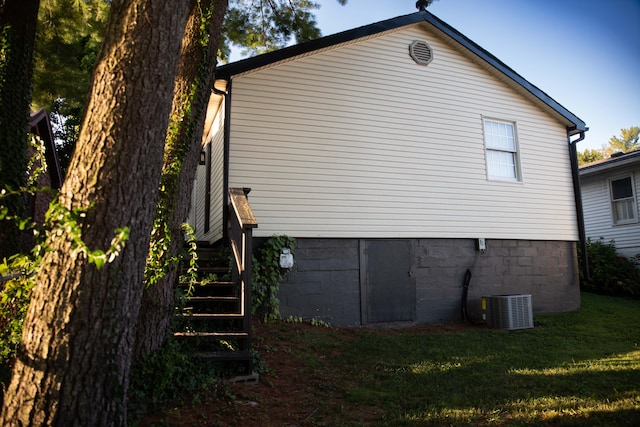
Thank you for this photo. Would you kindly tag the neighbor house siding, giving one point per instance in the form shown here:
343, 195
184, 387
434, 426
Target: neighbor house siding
596, 199
360, 141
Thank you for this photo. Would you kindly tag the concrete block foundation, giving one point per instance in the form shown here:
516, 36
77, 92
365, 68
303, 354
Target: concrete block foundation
332, 281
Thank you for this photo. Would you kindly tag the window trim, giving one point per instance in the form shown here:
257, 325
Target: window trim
612, 201
515, 152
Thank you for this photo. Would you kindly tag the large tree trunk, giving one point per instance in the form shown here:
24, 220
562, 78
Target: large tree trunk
182, 150
17, 37
78, 336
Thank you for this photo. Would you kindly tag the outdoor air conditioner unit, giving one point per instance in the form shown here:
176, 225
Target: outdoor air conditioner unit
509, 311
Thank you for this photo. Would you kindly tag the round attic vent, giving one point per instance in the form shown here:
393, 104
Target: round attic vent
420, 52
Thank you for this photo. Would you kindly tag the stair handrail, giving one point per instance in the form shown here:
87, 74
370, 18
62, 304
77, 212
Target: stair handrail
242, 222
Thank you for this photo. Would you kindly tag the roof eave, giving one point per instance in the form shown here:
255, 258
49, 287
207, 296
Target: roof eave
577, 125
606, 165
248, 64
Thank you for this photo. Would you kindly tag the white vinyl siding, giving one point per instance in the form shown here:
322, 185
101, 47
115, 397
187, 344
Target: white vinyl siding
360, 141
599, 214
196, 214
215, 153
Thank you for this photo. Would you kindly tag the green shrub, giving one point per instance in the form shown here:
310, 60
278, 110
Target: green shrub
610, 273
15, 294
171, 374
267, 276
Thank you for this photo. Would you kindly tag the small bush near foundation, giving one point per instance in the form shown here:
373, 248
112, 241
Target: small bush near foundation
610, 273
267, 275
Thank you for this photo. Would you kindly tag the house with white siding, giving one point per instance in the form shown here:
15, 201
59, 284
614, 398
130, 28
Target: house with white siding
400, 155
610, 201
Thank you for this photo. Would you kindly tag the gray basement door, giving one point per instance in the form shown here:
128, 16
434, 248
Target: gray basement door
388, 291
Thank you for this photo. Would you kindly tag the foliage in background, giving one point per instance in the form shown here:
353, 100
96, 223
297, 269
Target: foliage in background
17, 37
69, 36
65, 126
18, 272
610, 273
15, 295
267, 276
628, 141
589, 156
264, 26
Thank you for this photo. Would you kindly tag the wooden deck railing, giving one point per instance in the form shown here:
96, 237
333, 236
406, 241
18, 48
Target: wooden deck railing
242, 223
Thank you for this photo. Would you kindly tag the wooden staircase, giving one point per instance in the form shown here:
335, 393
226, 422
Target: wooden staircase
216, 318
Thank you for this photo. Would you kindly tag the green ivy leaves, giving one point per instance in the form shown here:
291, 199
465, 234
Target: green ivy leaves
267, 276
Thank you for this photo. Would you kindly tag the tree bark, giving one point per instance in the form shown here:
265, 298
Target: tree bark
18, 20
182, 150
73, 366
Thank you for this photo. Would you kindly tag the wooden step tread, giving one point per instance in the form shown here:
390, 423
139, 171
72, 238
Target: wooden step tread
216, 283
211, 269
224, 355
211, 284
212, 334
218, 316
214, 299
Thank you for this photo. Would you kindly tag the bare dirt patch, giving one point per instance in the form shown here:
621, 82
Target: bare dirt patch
298, 387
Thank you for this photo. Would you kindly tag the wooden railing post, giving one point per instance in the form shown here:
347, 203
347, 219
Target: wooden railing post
241, 239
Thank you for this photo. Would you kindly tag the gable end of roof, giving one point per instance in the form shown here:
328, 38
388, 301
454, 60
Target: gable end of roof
226, 71
578, 124
248, 64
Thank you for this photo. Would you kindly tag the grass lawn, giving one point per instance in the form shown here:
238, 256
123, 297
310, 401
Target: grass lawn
579, 368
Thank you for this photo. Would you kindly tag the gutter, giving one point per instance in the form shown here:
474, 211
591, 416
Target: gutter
573, 156
606, 164
225, 166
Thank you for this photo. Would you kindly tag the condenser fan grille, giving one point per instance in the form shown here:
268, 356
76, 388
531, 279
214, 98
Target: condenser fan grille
509, 311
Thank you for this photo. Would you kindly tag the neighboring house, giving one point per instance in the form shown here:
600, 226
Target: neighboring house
387, 151
40, 126
610, 200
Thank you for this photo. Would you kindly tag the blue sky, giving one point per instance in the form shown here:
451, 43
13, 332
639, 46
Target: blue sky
583, 53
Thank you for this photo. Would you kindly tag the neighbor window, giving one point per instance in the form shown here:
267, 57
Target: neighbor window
502, 150
623, 201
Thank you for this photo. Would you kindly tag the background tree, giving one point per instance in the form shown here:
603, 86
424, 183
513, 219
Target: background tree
627, 141
68, 40
18, 20
588, 156
268, 25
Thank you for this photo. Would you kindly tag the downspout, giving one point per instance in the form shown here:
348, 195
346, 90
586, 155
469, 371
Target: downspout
225, 167
573, 155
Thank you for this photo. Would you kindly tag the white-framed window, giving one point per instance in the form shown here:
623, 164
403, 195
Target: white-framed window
623, 200
501, 150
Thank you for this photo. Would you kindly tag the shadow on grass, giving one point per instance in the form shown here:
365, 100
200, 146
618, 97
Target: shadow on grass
543, 376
